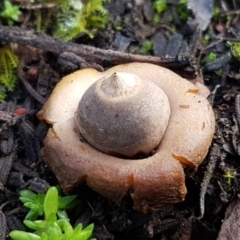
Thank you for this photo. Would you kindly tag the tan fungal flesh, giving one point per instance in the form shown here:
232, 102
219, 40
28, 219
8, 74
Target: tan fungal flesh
153, 181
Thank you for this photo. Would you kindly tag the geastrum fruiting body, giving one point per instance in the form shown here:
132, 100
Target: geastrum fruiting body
128, 130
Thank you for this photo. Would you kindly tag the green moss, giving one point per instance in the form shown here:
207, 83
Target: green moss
8, 66
74, 17
71, 18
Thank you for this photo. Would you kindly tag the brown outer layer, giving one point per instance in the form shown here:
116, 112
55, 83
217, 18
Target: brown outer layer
152, 182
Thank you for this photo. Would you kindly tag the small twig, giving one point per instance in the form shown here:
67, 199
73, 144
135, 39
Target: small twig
3, 225
211, 45
89, 53
237, 109
204, 49
3, 205
213, 157
212, 97
5, 116
9, 119
6, 166
27, 85
166, 27
228, 39
231, 12
38, 6
223, 194
195, 41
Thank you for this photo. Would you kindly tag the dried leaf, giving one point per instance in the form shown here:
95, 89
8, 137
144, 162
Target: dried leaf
203, 11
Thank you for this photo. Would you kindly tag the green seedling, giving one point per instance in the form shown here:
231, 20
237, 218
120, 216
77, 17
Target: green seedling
228, 177
147, 47
235, 49
10, 12
35, 202
55, 225
183, 11
160, 5
206, 39
216, 11
210, 58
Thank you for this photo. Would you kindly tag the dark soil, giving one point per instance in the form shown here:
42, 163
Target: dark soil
210, 190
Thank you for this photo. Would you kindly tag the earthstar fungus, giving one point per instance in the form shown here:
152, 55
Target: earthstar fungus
84, 155
117, 115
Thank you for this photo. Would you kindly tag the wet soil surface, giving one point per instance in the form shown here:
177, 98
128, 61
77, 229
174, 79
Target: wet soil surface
181, 46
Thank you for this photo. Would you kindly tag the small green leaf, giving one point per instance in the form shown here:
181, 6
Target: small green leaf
51, 204
38, 225
66, 227
77, 231
33, 206
30, 224
62, 214
27, 195
86, 232
54, 233
2, 96
35, 203
20, 235
31, 215
44, 236
67, 202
